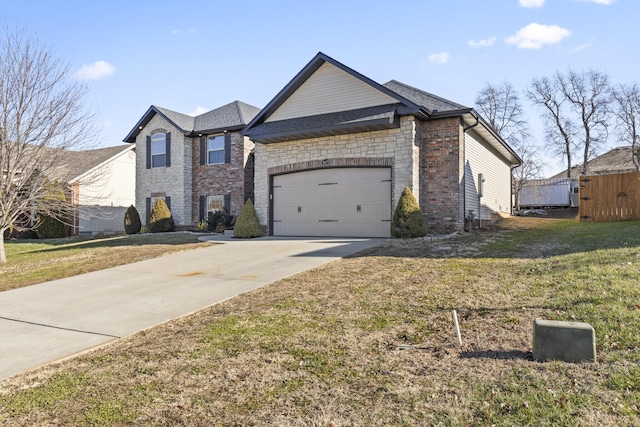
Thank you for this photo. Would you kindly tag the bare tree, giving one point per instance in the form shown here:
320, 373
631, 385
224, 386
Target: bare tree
589, 97
626, 109
559, 129
41, 116
500, 106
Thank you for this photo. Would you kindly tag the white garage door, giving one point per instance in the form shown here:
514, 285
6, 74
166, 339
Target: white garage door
354, 202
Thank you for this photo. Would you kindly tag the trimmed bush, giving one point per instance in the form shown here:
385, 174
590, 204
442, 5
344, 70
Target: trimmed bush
407, 219
50, 228
247, 224
161, 219
53, 226
132, 224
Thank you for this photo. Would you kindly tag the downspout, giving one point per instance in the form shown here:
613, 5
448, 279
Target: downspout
464, 192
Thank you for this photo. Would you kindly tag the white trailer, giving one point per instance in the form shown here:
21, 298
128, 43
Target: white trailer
547, 193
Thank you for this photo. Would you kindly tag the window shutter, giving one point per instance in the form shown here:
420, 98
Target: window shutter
148, 152
148, 210
227, 147
227, 203
202, 206
167, 200
203, 150
168, 153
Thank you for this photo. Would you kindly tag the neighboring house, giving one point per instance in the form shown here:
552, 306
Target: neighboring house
196, 164
334, 151
101, 184
617, 160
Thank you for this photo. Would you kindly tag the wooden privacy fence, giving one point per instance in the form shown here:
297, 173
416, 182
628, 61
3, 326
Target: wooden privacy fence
608, 198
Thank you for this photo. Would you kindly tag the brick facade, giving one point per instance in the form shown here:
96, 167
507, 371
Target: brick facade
185, 180
234, 178
441, 144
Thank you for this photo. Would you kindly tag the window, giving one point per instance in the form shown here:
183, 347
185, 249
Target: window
158, 150
214, 204
215, 149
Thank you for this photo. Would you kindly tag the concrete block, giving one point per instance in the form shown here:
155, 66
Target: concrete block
566, 341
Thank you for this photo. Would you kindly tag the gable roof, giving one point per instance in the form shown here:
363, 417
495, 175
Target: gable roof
74, 164
409, 101
232, 116
617, 160
320, 59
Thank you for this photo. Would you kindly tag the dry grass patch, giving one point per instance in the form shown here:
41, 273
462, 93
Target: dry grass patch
369, 341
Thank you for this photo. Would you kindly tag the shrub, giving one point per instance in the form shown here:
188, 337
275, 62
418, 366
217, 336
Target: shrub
132, 224
53, 226
50, 227
247, 225
161, 219
219, 221
407, 221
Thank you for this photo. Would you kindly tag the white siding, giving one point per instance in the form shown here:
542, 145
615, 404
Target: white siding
105, 194
330, 90
480, 158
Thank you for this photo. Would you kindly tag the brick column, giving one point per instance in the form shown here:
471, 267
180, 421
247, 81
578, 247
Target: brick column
441, 165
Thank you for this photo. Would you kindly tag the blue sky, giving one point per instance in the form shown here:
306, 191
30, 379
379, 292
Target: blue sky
193, 56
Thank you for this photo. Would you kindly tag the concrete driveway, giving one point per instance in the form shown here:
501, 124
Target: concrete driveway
43, 323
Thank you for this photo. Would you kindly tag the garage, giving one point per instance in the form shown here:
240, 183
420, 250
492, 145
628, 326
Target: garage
339, 202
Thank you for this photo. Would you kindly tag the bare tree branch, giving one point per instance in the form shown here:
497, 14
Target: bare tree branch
626, 109
41, 117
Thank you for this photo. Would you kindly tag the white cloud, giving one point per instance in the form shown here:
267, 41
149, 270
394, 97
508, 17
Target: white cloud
604, 2
199, 110
439, 58
95, 71
531, 3
582, 47
482, 43
535, 36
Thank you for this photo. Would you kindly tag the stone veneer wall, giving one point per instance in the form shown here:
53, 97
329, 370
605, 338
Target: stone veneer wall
441, 169
391, 146
225, 178
174, 181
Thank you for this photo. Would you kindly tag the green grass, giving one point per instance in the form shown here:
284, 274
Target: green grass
369, 341
36, 261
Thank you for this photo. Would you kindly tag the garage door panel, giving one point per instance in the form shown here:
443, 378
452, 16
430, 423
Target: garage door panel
333, 202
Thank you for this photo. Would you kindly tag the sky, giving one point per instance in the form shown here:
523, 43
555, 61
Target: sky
194, 56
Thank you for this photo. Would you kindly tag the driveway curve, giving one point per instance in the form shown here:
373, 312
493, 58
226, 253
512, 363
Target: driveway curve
43, 323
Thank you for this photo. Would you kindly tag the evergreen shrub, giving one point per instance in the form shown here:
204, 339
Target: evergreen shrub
407, 221
132, 223
161, 219
247, 224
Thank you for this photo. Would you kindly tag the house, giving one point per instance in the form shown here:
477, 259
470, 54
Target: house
196, 164
617, 160
334, 151
101, 186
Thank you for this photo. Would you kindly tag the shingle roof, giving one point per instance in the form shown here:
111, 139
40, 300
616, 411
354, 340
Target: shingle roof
424, 99
231, 116
183, 121
341, 122
617, 160
75, 163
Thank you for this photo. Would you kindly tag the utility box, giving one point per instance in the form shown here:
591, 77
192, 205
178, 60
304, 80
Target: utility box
566, 341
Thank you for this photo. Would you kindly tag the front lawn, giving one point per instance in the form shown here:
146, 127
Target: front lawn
369, 341
36, 261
